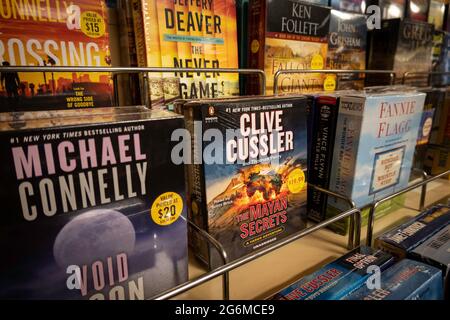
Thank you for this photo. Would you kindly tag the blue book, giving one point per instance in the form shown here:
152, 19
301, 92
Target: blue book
376, 135
401, 240
406, 280
436, 252
337, 279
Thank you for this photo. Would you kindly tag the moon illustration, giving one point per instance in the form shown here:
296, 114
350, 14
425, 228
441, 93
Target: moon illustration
94, 235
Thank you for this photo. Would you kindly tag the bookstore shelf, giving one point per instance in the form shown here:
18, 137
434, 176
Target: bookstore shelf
353, 213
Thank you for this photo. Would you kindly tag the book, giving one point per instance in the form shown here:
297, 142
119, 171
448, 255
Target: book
376, 135
189, 34
435, 251
95, 208
323, 132
401, 240
347, 47
288, 35
337, 279
247, 182
436, 13
417, 10
406, 280
50, 34
402, 46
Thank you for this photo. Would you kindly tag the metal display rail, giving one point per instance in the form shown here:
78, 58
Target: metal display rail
353, 213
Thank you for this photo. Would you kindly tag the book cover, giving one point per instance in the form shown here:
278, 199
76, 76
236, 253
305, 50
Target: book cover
54, 33
249, 189
337, 279
436, 13
94, 209
375, 139
191, 34
402, 46
400, 241
406, 280
288, 35
347, 47
417, 10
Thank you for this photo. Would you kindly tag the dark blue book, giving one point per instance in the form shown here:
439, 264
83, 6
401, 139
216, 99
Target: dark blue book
406, 280
403, 239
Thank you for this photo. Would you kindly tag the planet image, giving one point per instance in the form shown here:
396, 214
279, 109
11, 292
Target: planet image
94, 235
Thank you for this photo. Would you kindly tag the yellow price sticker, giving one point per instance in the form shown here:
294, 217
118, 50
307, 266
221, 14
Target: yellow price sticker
167, 208
92, 24
330, 83
317, 62
296, 180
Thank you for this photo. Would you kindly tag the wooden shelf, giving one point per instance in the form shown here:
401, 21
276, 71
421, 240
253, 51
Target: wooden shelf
276, 270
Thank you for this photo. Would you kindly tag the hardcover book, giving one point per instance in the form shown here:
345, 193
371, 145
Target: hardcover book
402, 46
347, 47
188, 34
249, 188
406, 280
402, 240
375, 139
54, 34
339, 278
94, 209
288, 35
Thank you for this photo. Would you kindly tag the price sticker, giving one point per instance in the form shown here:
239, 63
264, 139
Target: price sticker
330, 83
92, 24
296, 180
317, 62
167, 208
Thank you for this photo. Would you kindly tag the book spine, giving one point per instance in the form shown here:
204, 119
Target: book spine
256, 41
197, 212
348, 130
321, 154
